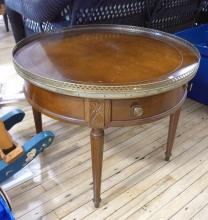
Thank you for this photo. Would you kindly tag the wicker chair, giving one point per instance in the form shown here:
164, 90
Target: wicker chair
173, 15
31, 16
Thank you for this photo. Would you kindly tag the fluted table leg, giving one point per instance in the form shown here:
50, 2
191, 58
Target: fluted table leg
97, 141
171, 133
37, 120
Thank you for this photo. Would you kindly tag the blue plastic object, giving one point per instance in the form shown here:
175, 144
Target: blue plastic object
199, 37
13, 117
5, 213
32, 148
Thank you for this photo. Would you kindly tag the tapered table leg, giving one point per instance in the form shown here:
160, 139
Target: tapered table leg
171, 133
97, 141
37, 120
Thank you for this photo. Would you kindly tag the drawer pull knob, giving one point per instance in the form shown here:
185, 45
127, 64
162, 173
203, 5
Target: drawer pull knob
137, 111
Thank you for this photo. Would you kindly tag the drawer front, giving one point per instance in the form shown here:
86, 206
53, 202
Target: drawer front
62, 107
133, 109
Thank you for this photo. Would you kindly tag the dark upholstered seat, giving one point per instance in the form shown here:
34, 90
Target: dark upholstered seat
31, 16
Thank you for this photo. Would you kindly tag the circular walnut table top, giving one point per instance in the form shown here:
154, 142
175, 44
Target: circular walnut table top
106, 61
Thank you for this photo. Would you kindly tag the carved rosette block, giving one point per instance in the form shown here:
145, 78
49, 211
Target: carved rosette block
97, 113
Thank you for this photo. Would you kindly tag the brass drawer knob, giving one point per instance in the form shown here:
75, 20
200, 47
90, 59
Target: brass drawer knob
137, 110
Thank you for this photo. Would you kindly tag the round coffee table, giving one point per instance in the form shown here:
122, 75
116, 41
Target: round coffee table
106, 75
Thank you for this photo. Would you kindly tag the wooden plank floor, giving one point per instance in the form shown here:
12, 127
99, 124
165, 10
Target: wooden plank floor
137, 182
10, 82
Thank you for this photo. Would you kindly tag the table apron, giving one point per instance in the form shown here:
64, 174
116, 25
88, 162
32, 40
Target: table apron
103, 113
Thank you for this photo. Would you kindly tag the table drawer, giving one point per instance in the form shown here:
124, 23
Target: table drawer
58, 106
133, 109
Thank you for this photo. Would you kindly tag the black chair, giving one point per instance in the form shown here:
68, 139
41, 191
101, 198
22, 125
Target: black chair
32, 16
203, 12
173, 15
